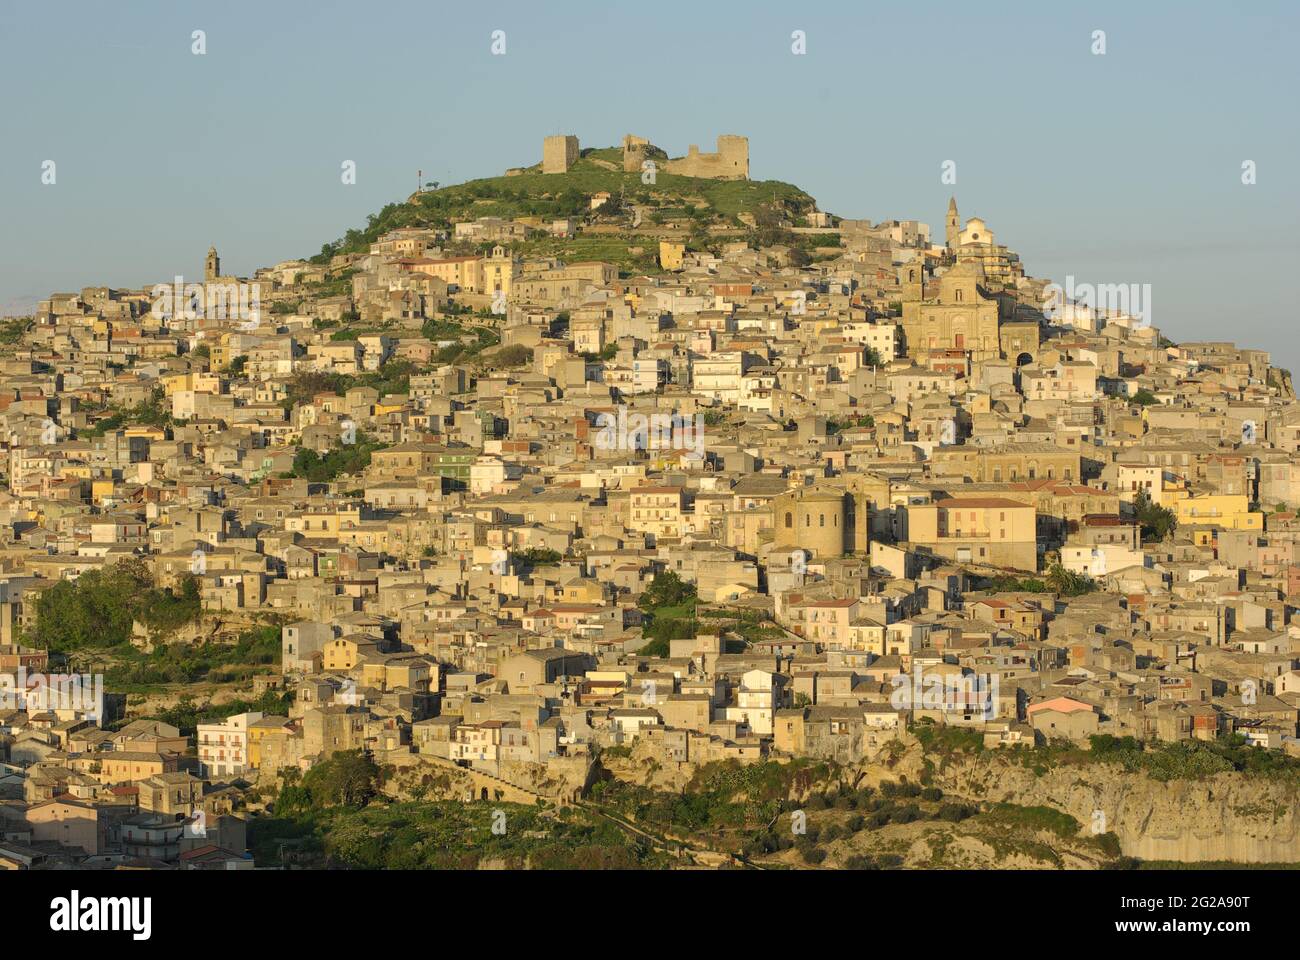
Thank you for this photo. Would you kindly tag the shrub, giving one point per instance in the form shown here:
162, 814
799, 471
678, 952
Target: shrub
812, 855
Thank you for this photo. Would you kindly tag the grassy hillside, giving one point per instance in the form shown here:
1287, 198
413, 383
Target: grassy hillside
533, 193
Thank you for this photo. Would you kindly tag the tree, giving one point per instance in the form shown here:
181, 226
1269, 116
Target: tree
351, 459
349, 778
1067, 583
666, 590
99, 608
515, 355
1144, 397
539, 557
658, 647
1157, 522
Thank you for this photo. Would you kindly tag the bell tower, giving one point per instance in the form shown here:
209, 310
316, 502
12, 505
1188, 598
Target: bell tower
953, 228
212, 266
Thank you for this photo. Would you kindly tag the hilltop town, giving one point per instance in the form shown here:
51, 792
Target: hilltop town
622, 510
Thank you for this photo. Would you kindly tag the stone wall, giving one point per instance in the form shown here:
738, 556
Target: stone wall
559, 153
731, 162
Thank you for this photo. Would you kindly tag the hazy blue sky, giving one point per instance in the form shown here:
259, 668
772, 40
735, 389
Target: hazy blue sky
1122, 168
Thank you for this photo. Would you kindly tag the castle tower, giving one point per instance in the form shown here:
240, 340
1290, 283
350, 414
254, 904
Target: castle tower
559, 153
811, 519
911, 279
634, 153
953, 228
212, 266
733, 152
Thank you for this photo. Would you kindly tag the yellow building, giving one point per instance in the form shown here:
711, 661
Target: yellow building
656, 510
100, 489
464, 272
671, 254
812, 519
345, 653
259, 731
497, 272
989, 530
1229, 511
962, 318
486, 275
220, 354
126, 766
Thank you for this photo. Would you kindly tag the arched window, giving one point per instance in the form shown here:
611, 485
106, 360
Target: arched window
789, 520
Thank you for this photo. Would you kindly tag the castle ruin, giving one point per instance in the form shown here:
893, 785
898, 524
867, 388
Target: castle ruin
559, 153
730, 162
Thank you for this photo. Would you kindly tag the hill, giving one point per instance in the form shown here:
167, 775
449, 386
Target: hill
711, 204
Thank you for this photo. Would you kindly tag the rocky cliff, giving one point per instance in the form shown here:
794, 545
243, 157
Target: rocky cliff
1230, 816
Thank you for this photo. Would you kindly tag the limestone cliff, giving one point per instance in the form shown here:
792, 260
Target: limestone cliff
1230, 816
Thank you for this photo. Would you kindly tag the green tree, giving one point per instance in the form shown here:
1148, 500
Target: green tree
349, 778
666, 590
515, 355
1157, 522
1067, 583
95, 610
538, 557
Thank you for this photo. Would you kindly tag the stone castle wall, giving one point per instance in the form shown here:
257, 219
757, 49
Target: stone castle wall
559, 153
730, 162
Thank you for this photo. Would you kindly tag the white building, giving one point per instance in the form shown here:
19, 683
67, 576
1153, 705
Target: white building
755, 701
223, 747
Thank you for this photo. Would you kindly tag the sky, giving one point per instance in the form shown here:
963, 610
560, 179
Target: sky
1118, 168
